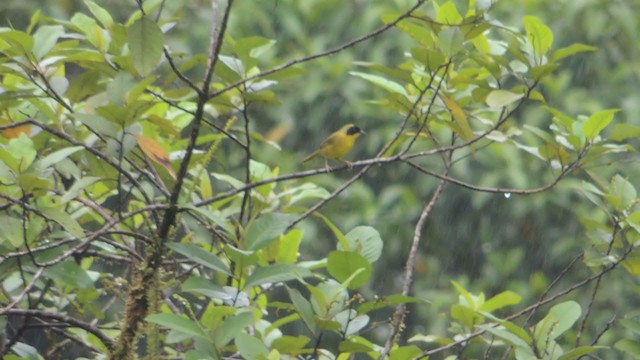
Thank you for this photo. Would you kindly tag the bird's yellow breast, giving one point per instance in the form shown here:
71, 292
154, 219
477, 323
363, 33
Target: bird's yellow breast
337, 145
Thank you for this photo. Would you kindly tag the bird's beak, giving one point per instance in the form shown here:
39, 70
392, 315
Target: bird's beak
362, 132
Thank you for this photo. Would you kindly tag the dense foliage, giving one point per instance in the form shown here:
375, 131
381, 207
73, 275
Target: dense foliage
153, 203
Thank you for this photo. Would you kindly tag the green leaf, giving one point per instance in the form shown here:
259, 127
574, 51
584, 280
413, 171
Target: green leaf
501, 98
250, 347
303, 306
98, 124
69, 273
579, 352
349, 346
630, 347
206, 287
178, 323
145, 41
447, 13
559, 319
343, 264
366, 241
597, 122
58, 156
508, 337
289, 344
65, 220
12, 232
405, 352
289, 246
277, 273
501, 300
538, 34
621, 193
119, 86
450, 41
623, 132
266, 229
101, 14
389, 85
23, 150
24, 351
231, 327
200, 256
46, 38
570, 50
351, 322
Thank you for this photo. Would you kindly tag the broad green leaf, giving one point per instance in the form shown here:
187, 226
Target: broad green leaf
560, 318
570, 50
101, 14
65, 220
276, 273
119, 86
250, 347
178, 323
231, 327
146, 42
24, 351
405, 353
366, 241
22, 149
206, 287
447, 13
290, 344
630, 347
538, 34
266, 229
623, 132
12, 232
349, 346
621, 193
69, 273
57, 156
342, 265
501, 300
389, 85
200, 256
450, 41
304, 308
98, 124
351, 322
289, 245
45, 38
597, 122
501, 98
508, 337
431, 59
579, 352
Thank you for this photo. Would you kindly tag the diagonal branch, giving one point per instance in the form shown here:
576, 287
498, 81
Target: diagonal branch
333, 51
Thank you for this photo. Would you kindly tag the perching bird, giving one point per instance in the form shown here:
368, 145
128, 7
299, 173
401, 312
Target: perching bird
337, 145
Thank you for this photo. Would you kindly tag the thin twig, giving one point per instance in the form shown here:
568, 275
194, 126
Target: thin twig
399, 314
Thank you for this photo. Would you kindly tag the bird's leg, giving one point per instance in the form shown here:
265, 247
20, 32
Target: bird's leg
348, 163
326, 166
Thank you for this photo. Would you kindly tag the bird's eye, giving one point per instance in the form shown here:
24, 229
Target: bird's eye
353, 130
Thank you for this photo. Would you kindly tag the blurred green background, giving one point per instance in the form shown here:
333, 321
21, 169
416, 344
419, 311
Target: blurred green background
487, 242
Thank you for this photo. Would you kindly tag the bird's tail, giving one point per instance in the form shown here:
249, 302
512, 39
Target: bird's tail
311, 156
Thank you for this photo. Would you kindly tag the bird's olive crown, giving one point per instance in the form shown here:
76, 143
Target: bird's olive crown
353, 130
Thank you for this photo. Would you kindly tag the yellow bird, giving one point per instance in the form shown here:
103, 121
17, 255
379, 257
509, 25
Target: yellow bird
337, 145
